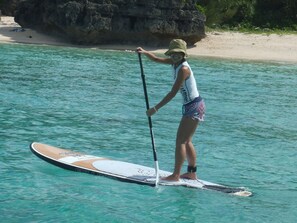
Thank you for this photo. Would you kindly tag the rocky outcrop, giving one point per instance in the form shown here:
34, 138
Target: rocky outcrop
153, 22
8, 7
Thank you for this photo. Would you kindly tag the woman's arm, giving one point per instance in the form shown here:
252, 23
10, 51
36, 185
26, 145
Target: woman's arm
153, 57
183, 73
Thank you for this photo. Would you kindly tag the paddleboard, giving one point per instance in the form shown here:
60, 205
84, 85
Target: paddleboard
120, 170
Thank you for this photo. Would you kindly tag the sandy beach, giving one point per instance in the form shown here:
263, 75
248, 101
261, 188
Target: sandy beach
260, 47
11, 32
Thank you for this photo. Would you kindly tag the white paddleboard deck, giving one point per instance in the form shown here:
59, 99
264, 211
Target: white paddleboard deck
120, 170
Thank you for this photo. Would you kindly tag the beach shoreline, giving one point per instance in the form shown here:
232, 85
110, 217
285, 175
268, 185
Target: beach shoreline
227, 45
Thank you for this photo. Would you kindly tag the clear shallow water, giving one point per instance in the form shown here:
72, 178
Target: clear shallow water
92, 101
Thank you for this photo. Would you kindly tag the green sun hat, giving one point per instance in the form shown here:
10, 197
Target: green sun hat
177, 46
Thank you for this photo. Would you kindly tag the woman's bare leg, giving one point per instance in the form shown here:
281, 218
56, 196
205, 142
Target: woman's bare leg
191, 157
184, 147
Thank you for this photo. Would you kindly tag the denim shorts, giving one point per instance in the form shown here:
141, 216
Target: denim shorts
195, 109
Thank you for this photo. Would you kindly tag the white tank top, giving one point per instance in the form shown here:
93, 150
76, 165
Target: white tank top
188, 89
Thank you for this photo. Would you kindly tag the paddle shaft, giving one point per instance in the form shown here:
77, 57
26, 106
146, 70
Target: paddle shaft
149, 118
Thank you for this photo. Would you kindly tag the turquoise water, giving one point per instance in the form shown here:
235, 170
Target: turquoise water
92, 101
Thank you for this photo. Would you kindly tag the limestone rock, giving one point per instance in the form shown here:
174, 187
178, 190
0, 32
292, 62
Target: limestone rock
151, 22
8, 7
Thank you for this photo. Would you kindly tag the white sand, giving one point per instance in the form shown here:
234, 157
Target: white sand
7, 25
282, 48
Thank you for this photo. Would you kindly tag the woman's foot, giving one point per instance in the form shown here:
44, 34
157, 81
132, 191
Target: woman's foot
171, 177
191, 176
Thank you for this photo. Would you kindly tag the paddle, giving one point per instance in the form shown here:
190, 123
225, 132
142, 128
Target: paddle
149, 120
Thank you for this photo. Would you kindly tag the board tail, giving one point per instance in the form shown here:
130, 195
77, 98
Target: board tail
239, 191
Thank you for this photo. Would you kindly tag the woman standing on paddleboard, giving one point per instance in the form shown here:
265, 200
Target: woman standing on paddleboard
193, 106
